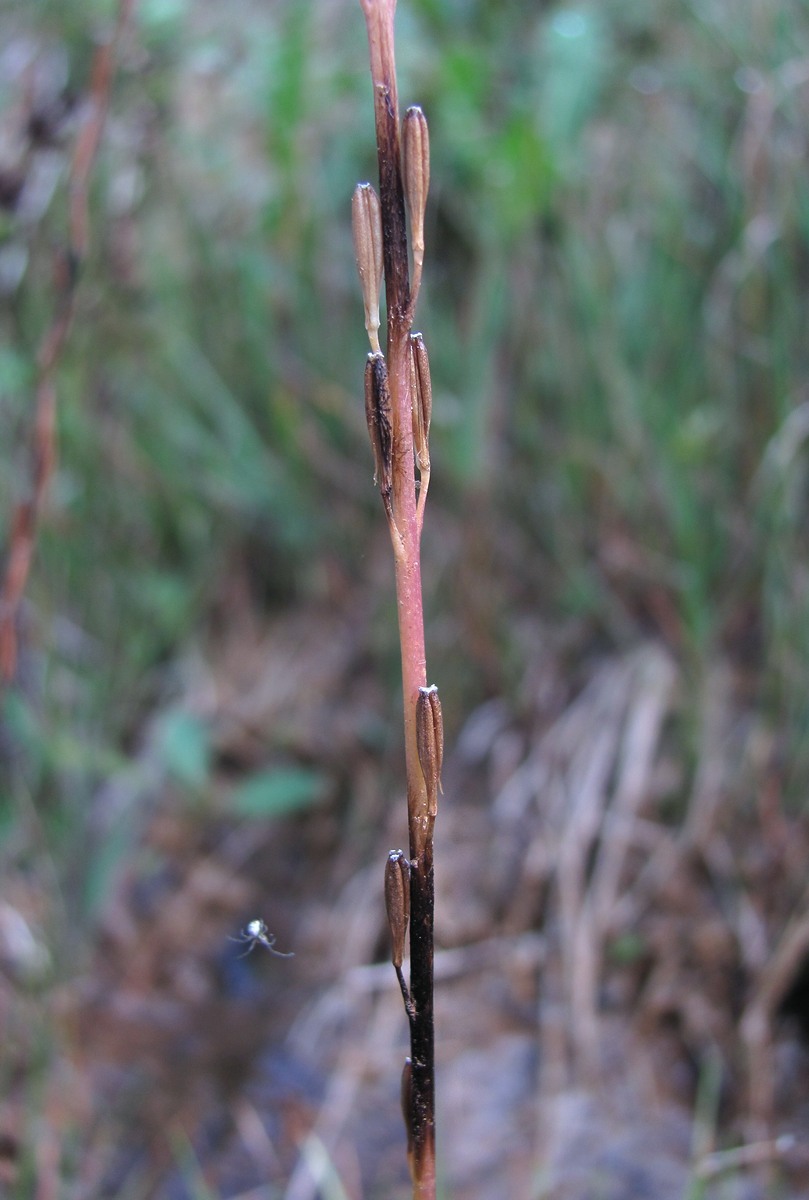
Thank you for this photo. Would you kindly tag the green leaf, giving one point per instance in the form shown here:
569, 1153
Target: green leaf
575, 67
184, 748
280, 791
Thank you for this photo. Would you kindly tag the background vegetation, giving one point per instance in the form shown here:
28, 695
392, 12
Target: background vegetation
616, 309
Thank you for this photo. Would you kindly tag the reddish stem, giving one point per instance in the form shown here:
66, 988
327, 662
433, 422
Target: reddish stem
405, 534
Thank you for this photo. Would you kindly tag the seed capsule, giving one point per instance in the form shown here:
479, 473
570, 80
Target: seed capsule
377, 414
416, 144
430, 742
366, 224
397, 902
421, 399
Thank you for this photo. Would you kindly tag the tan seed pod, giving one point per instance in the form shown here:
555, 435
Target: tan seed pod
430, 742
377, 415
397, 902
366, 224
416, 144
421, 400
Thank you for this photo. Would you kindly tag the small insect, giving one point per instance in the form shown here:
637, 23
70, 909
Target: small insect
256, 933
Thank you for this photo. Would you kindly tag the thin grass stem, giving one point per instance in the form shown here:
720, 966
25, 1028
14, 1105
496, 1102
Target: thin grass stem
395, 408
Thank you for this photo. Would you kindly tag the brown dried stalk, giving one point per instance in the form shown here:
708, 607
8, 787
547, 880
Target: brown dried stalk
26, 515
398, 402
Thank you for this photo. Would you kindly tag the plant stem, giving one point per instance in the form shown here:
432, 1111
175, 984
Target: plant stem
405, 529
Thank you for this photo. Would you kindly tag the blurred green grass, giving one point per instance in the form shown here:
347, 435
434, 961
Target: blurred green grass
615, 303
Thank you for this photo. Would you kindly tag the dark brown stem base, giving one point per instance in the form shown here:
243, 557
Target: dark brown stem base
422, 1036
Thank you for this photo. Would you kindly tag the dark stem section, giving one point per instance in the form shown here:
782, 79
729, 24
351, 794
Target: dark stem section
422, 1038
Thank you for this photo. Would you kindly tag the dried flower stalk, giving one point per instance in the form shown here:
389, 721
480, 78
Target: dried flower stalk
398, 408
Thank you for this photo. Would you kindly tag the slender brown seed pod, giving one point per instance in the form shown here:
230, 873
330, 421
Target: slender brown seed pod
416, 146
430, 742
421, 395
397, 905
397, 902
366, 225
377, 415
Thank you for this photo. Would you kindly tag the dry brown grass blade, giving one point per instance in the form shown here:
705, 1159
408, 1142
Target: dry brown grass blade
598, 763
646, 710
774, 980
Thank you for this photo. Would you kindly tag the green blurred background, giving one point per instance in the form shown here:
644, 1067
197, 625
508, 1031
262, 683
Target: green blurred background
615, 303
